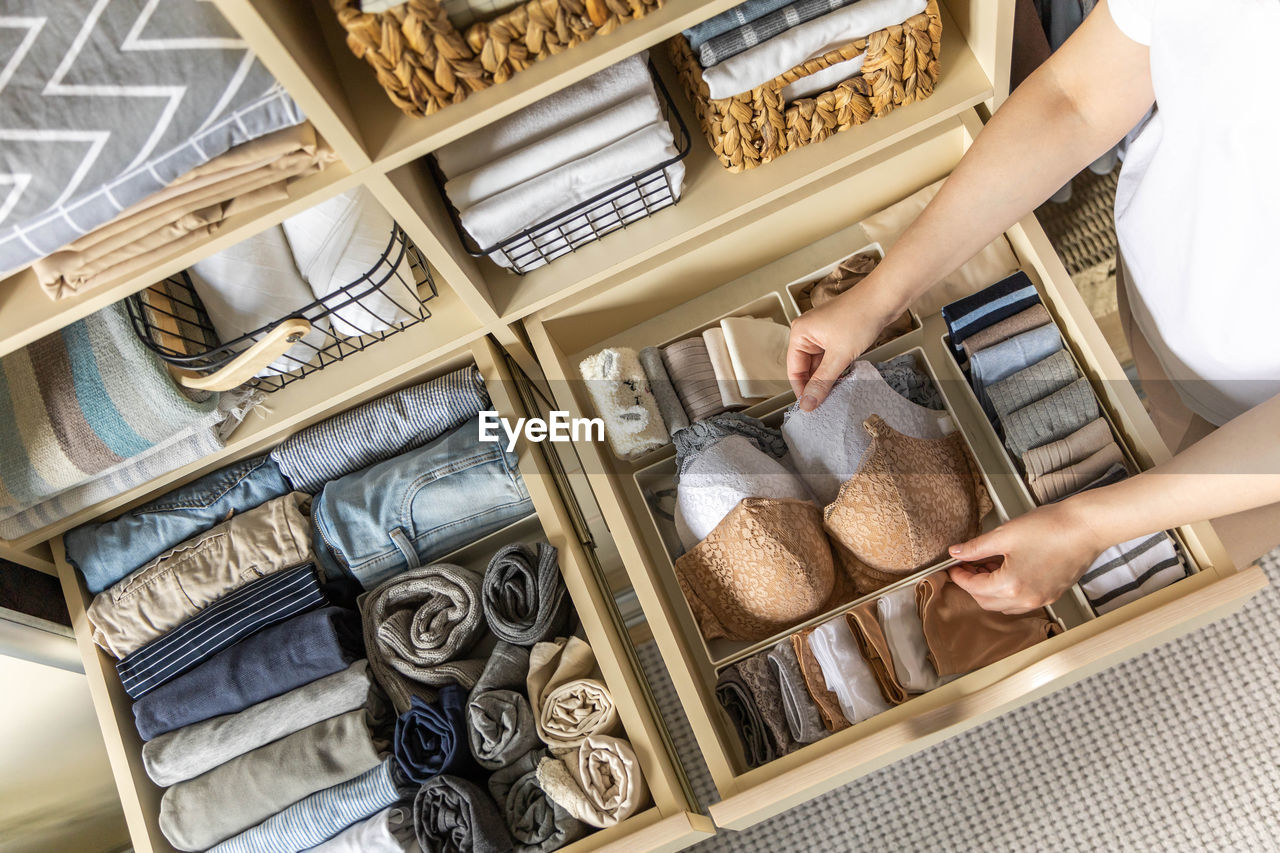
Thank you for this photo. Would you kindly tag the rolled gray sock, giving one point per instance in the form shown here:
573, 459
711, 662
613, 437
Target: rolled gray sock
537, 824
673, 414
1032, 383
500, 722
524, 596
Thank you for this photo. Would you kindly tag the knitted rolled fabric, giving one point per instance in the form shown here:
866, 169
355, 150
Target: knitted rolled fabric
600, 784
970, 315
500, 723
417, 625
664, 393
689, 366
735, 698
453, 814
1065, 452
431, 738
1024, 321
1006, 358
537, 823
524, 597
726, 380
623, 398
756, 673
903, 376
568, 703
1032, 383
707, 433
1054, 417
1069, 480
803, 716
1131, 570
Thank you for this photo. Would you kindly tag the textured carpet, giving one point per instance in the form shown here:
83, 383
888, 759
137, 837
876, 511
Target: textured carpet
1178, 749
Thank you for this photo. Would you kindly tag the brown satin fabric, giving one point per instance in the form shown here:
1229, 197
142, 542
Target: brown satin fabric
911, 499
865, 625
826, 700
815, 294
963, 637
765, 567
1024, 321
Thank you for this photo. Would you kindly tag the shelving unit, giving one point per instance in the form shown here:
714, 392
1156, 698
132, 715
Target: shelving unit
302, 44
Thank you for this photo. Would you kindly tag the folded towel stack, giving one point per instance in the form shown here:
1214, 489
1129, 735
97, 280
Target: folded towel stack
517, 184
760, 40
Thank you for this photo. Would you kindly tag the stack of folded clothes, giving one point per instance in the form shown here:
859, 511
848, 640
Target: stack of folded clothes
158, 174
646, 398
278, 717
759, 40
529, 171
1051, 423
876, 655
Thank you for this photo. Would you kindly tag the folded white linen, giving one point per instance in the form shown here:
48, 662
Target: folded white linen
1131, 570
765, 61
251, 284
569, 232
726, 379
503, 215
900, 620
339, 242
846, 671
758, 349
615, 84
821, 81
574, 142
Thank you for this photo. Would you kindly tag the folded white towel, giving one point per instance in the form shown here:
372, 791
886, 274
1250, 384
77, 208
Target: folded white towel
722, 364
251, 284
613, 85
339, 242
507, 213
767, 60
569, 232
903, 630
758, 349
846, 671
821, 81
1131, 570
574, 142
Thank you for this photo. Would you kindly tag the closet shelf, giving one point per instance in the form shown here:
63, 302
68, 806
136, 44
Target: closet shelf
356, 378
713, 197
28, 314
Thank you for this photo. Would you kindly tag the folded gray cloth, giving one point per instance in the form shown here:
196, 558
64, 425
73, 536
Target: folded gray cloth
803, 717
191, 750
673, 414
500, 723
750, 34
1032, 383
1054, 417
453, 815
736, 699
756, 673
524, 597
198, 813
907, 379
537, 824
416, 627
708, 433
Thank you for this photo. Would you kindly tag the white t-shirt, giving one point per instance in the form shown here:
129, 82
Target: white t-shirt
1198, 200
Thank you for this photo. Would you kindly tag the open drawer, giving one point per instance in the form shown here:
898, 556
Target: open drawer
667, 824
742, 265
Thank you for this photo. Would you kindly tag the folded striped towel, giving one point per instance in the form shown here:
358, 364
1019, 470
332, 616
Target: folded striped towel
1131, 570
749, 35
743, 13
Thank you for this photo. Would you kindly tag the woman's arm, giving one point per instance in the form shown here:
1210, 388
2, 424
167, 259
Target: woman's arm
1046, 551
1089, 94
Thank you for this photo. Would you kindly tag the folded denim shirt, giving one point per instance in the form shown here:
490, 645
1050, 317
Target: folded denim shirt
105, 552
411, 510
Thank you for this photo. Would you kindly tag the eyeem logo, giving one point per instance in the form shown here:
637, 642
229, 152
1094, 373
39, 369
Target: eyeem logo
560, 427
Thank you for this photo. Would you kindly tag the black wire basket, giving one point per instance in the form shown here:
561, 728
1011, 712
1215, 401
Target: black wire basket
630, 201
171, 320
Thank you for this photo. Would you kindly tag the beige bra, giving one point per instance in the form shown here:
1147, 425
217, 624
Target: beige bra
910, 500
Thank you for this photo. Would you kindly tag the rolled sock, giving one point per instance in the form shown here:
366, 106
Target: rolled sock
1024, 321
1066, 481
523, 594
758, 351
450, 813
689, 366
537, 823
1054, 417
622, 397
727, 381
664, 393
1131, 570
1032, 383
569, 704
1080, 445
600, 784
431, 738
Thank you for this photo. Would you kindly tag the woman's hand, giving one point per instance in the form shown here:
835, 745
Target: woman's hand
1028, 562
825, 341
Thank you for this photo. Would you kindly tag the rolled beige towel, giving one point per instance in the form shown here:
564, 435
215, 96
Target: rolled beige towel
569, 704
600, 784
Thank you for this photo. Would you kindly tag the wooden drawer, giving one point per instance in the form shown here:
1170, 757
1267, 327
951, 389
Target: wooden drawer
668, 824
751, 263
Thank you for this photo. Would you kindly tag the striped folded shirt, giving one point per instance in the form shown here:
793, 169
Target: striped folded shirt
1131, 570
721, 47
223, 623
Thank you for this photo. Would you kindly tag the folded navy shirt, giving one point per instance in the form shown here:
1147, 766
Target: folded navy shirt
975, 312
431, 739
271, 662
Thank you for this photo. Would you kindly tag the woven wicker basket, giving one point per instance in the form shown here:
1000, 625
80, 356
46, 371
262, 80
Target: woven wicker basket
425, 64
901, 67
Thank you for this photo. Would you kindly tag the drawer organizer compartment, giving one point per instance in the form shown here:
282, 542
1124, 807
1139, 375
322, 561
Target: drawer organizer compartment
664, 309
665, 822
